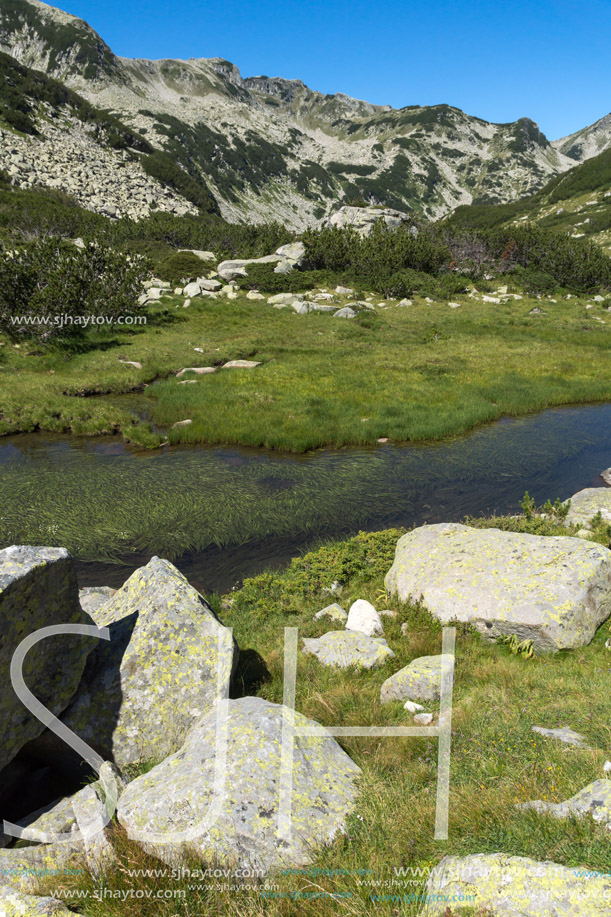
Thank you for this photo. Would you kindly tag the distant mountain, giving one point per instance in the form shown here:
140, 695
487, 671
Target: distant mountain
577, 202
269, 148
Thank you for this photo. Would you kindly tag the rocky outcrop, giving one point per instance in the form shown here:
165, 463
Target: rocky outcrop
158, 674
511, 886
38, 589
177, 794
553, 591
345, 648
363, 219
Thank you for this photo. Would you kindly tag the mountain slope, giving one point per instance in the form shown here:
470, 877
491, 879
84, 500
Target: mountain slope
577, 202
269, 148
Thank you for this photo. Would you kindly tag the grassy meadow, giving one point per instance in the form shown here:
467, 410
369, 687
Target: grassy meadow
496, 760
424, 371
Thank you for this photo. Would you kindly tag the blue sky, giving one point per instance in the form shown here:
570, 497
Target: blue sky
548, 59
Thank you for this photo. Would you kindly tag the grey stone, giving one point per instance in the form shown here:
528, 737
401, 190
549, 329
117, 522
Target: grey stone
510, 886
586, 504
241, 364
192, 289
554, 591
420, 680
564, 734
38, 588
423, 719
176, 795
345, 648
334, 611
606, 476
346, 312
594, 800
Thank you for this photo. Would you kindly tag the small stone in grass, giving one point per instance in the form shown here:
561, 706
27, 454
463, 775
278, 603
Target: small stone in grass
423, 719
412, 706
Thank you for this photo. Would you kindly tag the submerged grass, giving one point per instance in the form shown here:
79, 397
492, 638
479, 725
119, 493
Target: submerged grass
496, 759
105, 502
422, 372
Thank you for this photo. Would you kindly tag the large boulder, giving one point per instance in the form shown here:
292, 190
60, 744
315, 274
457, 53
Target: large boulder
553, 591
586, 504
38, 588
363, 219
177, 794
420, 680
345, 648
144, 689
511, 886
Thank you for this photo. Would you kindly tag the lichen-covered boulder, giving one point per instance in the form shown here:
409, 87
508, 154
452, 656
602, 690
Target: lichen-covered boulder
17, 904
420, 680
510, 886
333, 611
594, 800
142, 690
38, 588
553, 591
344, 648
586, 504
176, 795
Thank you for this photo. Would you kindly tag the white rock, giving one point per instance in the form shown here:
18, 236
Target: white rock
423, 719
192, 289
412, 706
364, 619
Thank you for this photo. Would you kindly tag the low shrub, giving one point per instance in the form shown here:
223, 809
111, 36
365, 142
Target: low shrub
50, 290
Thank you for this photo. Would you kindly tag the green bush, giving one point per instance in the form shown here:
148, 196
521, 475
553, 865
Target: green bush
51, 290
180, 266
262, 277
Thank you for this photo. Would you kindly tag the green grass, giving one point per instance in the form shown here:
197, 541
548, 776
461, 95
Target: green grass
414, 373
496, 760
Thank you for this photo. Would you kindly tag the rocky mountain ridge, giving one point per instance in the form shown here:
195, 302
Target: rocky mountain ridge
271, 148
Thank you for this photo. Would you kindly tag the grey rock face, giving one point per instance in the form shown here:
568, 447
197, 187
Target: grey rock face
177, 794
38, 588
344, 648
587, 503
346, 312
509, 886
420, 680
143, 690
553, 591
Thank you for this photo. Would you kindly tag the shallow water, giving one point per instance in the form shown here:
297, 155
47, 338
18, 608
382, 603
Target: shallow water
222, 513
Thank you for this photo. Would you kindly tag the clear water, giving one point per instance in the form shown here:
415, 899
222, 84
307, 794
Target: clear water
222, 513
